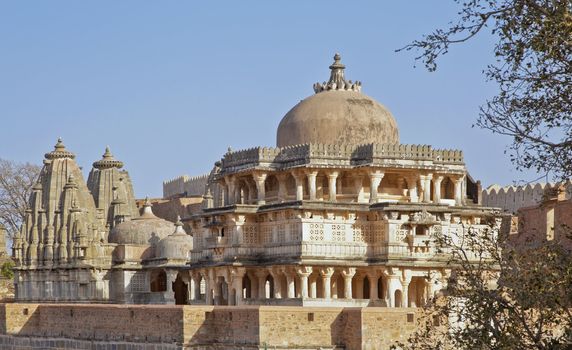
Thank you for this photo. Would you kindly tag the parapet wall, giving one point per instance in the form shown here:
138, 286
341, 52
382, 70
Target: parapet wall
186, 186
512, 198
205, 327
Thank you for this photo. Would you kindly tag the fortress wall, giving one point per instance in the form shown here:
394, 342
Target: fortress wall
83, 326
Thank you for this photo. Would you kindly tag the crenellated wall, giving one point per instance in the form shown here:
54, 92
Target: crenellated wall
512, 198
185, 185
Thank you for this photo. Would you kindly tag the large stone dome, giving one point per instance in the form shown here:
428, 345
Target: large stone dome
337, 114
146, 229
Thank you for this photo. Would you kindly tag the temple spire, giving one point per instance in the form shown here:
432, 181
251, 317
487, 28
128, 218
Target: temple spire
337, 79
108, 161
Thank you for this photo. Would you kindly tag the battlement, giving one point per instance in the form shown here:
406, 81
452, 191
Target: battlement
344, 154
185, 185
512, 198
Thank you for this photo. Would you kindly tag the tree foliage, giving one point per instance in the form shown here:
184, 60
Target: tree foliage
499, 297
16, 181
533, 71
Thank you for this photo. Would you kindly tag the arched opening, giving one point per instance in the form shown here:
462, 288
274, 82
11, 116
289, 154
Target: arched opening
290, 187
447, 188
158, 281
366, 288
380, 289
202, 288
181, 290
416, 292
246, 287
319, 287
271, 188
269, 287
398, 298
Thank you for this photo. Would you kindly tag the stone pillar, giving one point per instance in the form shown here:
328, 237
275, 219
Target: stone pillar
261, 277
236, 283
209, 285
427, 189
459, 191
373, 276
170, 293
412, 187
348, 273
313, 289
375, 178
304, 272
405, 293
196, 290
358, 185
290, 283
393, 284
332, 177
299, 178
422, 184
260, 179
326, 274
223, 193
251, 192
437, 189
276, 276
312, 184
230, 183
282, 190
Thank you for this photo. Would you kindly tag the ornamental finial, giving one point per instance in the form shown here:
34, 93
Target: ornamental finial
337, 79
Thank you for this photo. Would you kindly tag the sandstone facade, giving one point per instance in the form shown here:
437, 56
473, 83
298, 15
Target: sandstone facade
347, 222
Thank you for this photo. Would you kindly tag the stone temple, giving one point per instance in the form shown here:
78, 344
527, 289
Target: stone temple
339, 213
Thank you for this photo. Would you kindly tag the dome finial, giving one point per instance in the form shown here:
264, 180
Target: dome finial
337, 79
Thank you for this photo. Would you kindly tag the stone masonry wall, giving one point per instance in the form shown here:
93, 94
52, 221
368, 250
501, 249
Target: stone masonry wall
81, 326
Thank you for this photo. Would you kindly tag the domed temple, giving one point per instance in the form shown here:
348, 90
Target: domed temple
339, 213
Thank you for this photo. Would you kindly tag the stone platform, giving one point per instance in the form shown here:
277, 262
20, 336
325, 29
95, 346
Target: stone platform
84, 326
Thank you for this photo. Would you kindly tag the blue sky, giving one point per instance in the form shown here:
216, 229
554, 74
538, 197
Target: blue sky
170, 85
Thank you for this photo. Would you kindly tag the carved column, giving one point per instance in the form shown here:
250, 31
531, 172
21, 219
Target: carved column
290, 283
348, 273
261, 277
251, 192
358, 185
277, 277
304, 272
373, 290
326, 274
282, 191
437, 189
260, 179
332, 177
299, 178
223, 193
236, 276
230, 183
459, 191
313, 289
405, 293
412, 187
312, 184
427, 189
375, 178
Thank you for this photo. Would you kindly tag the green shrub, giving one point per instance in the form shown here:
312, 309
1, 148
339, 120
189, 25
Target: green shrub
7, 270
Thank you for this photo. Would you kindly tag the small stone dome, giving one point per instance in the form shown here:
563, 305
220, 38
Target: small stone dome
338, 114
146, 229
176, 246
